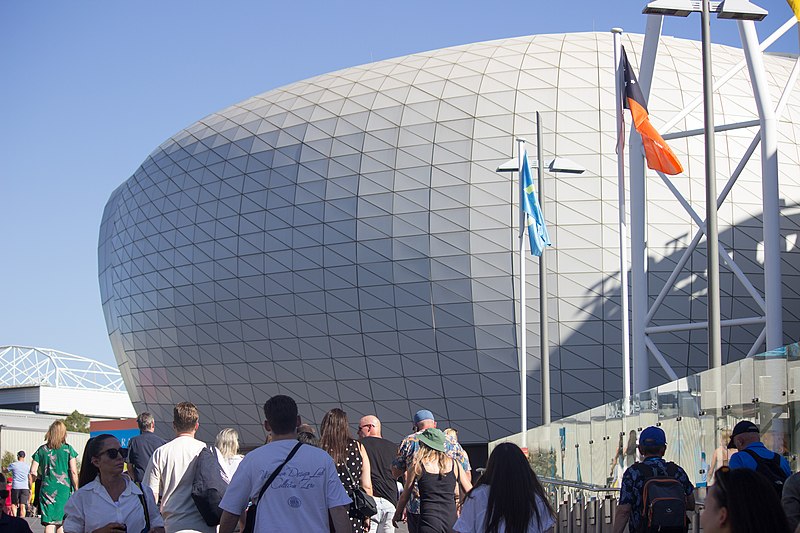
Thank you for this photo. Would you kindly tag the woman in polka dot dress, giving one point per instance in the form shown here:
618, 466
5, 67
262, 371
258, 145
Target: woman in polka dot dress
350, 457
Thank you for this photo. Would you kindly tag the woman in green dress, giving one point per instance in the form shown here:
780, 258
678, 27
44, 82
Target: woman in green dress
55, 464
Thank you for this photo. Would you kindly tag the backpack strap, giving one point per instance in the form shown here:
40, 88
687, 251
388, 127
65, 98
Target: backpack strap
143, 500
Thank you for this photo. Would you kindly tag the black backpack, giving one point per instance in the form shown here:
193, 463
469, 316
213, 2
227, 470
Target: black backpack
208, 486
771, 469
663, 501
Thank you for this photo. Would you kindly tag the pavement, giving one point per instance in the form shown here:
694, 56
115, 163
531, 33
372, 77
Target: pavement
37, 527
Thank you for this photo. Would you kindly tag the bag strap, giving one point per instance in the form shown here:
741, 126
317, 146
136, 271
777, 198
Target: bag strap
347, 470
278, 470
143, 499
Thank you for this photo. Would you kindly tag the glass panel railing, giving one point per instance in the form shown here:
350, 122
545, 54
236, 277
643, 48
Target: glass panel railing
697, 414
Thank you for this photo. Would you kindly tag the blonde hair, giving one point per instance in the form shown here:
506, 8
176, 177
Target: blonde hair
426, 454
451, 432
56, 435
227, 442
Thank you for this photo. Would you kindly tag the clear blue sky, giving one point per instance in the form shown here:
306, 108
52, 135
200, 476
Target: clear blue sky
90, 88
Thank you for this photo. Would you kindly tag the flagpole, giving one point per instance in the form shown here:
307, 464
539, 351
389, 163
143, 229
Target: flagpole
623, 228
523, 321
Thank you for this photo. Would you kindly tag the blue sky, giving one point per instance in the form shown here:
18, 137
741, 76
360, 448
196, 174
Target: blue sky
90, 88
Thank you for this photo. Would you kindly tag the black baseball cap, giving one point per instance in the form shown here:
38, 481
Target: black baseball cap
745, 426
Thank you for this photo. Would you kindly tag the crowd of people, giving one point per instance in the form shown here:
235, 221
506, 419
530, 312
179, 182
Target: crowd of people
305, 481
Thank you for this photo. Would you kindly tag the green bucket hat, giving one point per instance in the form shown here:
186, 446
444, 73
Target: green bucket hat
433, 438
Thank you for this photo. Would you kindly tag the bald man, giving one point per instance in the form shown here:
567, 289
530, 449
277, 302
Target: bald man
381, 452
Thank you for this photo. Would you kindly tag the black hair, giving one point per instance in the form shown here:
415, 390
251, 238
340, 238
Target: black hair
281, 414
658, 450
750, 499
514, 491
88, 470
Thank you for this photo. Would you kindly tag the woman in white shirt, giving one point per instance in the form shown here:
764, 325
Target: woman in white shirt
227, 445
507, 498
108, 501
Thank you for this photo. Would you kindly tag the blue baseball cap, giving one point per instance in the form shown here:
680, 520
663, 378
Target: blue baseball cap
423, 414
652, 436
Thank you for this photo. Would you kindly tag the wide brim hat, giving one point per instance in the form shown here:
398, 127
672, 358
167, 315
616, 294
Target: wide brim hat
433, 438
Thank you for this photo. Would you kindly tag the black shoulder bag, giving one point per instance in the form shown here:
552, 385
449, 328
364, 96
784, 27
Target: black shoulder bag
363, 504
250, 519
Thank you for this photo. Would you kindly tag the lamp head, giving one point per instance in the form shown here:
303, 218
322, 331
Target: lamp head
562, 164
672, 8
740, 10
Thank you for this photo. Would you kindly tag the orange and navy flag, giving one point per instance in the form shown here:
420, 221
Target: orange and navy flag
659, 155
795, 5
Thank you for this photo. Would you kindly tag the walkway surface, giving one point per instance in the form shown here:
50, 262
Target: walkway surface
36, 526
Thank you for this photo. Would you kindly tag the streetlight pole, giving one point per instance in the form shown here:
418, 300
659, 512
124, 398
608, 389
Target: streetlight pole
558, 164
544, 334
712, 231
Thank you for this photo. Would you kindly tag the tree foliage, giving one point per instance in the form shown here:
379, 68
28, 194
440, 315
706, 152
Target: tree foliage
77, 422
7, 459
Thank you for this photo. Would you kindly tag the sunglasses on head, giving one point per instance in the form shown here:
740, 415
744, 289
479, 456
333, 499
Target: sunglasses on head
720, 482
112, 453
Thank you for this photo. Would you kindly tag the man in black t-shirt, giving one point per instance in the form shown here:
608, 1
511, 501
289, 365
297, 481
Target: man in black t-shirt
141, 447
381, 452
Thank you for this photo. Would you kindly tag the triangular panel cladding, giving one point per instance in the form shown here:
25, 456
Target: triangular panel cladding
346, 239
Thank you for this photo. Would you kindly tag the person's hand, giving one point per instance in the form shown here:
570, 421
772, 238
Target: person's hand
112, 527
398, 517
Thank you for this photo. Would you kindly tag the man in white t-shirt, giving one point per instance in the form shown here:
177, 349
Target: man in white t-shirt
170, 474
302, 496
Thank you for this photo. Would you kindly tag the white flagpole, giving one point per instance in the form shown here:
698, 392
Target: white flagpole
523, 304
623, 228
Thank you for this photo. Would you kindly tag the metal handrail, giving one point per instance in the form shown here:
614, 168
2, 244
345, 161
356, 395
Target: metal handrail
575, 485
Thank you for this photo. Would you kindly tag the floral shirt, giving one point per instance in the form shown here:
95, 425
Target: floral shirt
633, 481
405, 456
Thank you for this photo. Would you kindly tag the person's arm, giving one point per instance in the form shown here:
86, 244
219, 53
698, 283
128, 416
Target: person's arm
466, 484
33, 473
340, 520
73, 472
712, 467
403, 501
227, 522
366, 476
152, 477
400, 463
621, 517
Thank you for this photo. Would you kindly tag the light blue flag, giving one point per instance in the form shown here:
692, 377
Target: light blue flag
534, 218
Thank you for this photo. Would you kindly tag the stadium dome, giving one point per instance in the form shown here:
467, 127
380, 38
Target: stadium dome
347, 240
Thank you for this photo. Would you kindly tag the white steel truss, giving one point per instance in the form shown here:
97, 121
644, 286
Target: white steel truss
770, 303
25, 365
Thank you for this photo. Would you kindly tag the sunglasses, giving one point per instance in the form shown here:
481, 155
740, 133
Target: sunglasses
360, 428
113, 453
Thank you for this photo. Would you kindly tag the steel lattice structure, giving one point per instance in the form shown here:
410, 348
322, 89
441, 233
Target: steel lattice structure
26, 365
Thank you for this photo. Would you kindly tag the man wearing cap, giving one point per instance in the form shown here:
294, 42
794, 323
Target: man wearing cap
747, 438
652, 446
423, 419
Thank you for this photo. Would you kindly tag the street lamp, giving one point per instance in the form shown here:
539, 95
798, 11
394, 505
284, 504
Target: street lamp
559, 164
726, 9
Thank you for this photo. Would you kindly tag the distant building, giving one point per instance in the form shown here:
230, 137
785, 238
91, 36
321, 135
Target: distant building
39, 385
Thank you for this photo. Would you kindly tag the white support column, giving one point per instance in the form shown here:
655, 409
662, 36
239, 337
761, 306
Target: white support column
639, 285
769, 184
